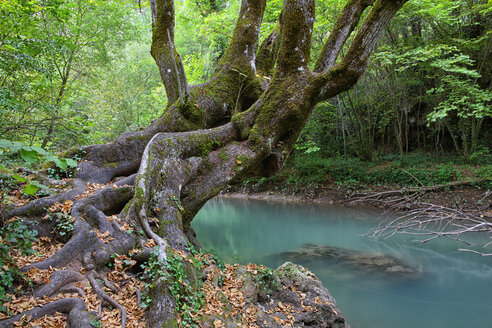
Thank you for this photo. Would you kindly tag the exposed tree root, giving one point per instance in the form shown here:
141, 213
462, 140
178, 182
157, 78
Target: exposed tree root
94, 240
83, 238
106, 298
75, 308
57, 281
39, 206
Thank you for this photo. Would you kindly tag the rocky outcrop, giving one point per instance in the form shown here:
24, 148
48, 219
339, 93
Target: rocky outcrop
290, 296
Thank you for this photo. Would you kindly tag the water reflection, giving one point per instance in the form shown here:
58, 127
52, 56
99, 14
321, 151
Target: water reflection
453, 291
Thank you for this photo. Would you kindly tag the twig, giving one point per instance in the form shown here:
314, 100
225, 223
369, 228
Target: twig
476, 252
430, 222
410, 174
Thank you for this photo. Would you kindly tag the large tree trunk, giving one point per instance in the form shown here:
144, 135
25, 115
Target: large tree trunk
237, 124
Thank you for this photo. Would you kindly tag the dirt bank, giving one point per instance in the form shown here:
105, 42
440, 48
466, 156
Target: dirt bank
472, 198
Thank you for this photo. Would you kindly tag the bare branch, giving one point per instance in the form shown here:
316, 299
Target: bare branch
476, 252
346, 22
428, 222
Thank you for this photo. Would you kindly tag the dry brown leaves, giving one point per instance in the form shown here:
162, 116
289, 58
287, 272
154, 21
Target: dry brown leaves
56, 320
25, 303
91, 189
64, 208
44, 249
127, 295
150, 243
128, 288
105, 237
282, 313
18, 198
231, 289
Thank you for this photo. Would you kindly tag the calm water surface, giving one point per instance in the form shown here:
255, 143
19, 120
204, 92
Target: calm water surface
454, 290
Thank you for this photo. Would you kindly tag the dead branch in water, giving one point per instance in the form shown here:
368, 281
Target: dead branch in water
429, 221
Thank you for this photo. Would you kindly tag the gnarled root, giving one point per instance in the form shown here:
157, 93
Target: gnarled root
39, 206
105, 297
58, 280
75, 308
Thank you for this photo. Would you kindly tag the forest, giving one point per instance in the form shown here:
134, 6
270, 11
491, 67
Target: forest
120, 119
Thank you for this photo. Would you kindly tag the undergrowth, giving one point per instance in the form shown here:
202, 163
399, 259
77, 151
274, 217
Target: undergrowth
308, 170
14, 235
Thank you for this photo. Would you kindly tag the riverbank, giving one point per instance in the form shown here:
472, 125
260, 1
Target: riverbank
464, 196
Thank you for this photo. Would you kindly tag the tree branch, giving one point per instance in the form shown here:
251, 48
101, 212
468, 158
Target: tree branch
346, 22
428, 222
164, 52
296, 26
345, 74
267, 53
241, 52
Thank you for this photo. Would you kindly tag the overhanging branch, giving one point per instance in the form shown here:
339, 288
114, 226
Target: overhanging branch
340, 77
346, 22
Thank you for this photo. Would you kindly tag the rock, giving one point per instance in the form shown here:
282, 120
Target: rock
212, 272
294, 297
290, 296
376, 263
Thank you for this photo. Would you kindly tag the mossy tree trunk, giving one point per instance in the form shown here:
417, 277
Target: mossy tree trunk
237, 124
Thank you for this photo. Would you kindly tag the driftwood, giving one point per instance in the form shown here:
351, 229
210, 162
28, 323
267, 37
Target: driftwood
427, 222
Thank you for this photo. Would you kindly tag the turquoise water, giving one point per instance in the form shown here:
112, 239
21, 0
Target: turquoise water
454, 289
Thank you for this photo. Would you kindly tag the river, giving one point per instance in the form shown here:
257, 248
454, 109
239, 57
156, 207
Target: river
453, 289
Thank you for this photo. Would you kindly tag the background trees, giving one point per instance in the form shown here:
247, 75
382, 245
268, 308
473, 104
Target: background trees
49, 50
427, 87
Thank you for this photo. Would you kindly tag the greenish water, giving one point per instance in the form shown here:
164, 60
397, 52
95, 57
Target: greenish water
453, 291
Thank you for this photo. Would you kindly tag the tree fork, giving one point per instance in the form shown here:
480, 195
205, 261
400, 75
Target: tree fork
201, 144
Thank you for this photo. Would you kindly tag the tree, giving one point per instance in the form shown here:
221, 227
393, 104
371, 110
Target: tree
47, 48
237, 124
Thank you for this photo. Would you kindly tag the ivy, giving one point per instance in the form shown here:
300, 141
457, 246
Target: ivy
185, 289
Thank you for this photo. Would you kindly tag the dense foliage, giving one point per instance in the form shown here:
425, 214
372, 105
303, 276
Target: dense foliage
75, 72
428, 89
